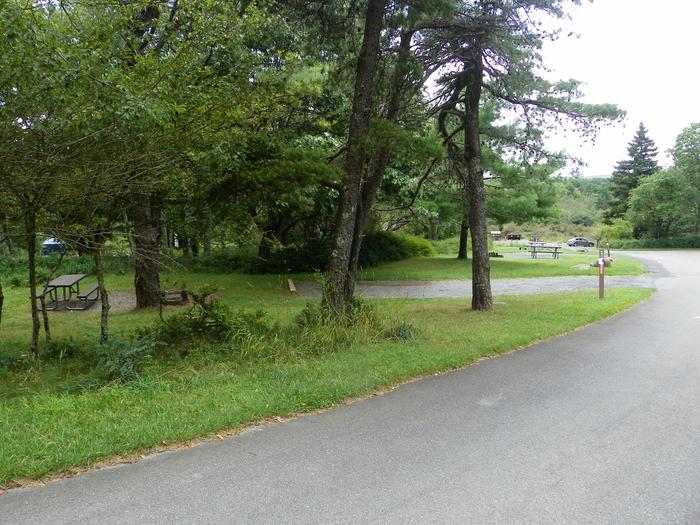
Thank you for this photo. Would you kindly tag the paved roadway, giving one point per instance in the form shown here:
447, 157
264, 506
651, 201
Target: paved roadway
598, 426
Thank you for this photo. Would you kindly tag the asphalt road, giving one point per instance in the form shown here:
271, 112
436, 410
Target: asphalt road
598, 426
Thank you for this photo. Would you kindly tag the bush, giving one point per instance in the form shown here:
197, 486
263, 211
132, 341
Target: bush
13, 363
312, 256
61, 350
619, 229
383, 247
208, 321
688, 241
121, 360
223, 261
14, 269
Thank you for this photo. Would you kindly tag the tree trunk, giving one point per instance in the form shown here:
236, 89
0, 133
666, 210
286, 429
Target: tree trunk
463, 238
30, 230
476, 195
145, 214
340, 284
206, 236
45, 318
378, 164
130, 235
184, 244
2, 302
104, 297
266, 242
5, 248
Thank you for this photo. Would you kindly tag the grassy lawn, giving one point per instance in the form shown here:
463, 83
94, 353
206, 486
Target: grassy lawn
448, 267
237, 290
45, 429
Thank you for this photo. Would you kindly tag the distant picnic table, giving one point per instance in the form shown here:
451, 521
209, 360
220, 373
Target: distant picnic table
539, 247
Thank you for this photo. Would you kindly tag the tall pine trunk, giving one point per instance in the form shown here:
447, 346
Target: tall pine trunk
463, 238
340, 282
378, 164
476, 195
145, 215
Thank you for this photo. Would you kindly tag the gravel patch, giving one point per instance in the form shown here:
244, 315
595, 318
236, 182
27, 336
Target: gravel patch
451, 288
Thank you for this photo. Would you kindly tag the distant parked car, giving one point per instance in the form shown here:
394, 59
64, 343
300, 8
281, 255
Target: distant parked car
579, 241
50, 246
514, 236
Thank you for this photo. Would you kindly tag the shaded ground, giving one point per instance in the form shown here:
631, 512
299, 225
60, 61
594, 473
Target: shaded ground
118, 302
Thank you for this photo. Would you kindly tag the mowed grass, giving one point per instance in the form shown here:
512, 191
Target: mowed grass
45, 432
449, 267
237, 290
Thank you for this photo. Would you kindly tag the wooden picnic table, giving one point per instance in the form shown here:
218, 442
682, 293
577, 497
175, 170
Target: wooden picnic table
68, 284
541, 247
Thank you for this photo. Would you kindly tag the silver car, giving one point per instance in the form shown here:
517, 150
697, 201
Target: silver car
579, 241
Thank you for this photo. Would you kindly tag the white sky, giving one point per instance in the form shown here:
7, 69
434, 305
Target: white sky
641, 55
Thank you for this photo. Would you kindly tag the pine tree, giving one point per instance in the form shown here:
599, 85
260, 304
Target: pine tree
629, 173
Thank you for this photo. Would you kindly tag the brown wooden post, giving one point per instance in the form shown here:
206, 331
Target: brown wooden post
601, 275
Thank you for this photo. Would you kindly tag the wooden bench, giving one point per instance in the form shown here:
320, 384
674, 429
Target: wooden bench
86, 298
50, 292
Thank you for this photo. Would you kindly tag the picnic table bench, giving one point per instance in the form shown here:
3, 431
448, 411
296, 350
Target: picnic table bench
47, 292
540, 247
86, 297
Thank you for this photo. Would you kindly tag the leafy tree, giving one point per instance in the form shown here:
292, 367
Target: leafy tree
686, 156
618, 229
641, 162
518, 193
490, 49
39, 120
364, 167
661, 206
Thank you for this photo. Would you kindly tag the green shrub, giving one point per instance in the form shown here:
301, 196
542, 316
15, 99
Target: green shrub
619, 229
207, 321
383, 247
688, 241
312, 256
14, 269
120, 360
223, 261
13, 363
61, 350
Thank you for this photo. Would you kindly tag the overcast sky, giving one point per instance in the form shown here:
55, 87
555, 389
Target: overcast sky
639, 54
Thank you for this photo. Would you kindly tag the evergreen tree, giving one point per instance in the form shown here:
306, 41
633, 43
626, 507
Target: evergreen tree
629, 172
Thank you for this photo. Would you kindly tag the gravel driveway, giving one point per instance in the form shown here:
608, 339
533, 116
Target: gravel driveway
437, 289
